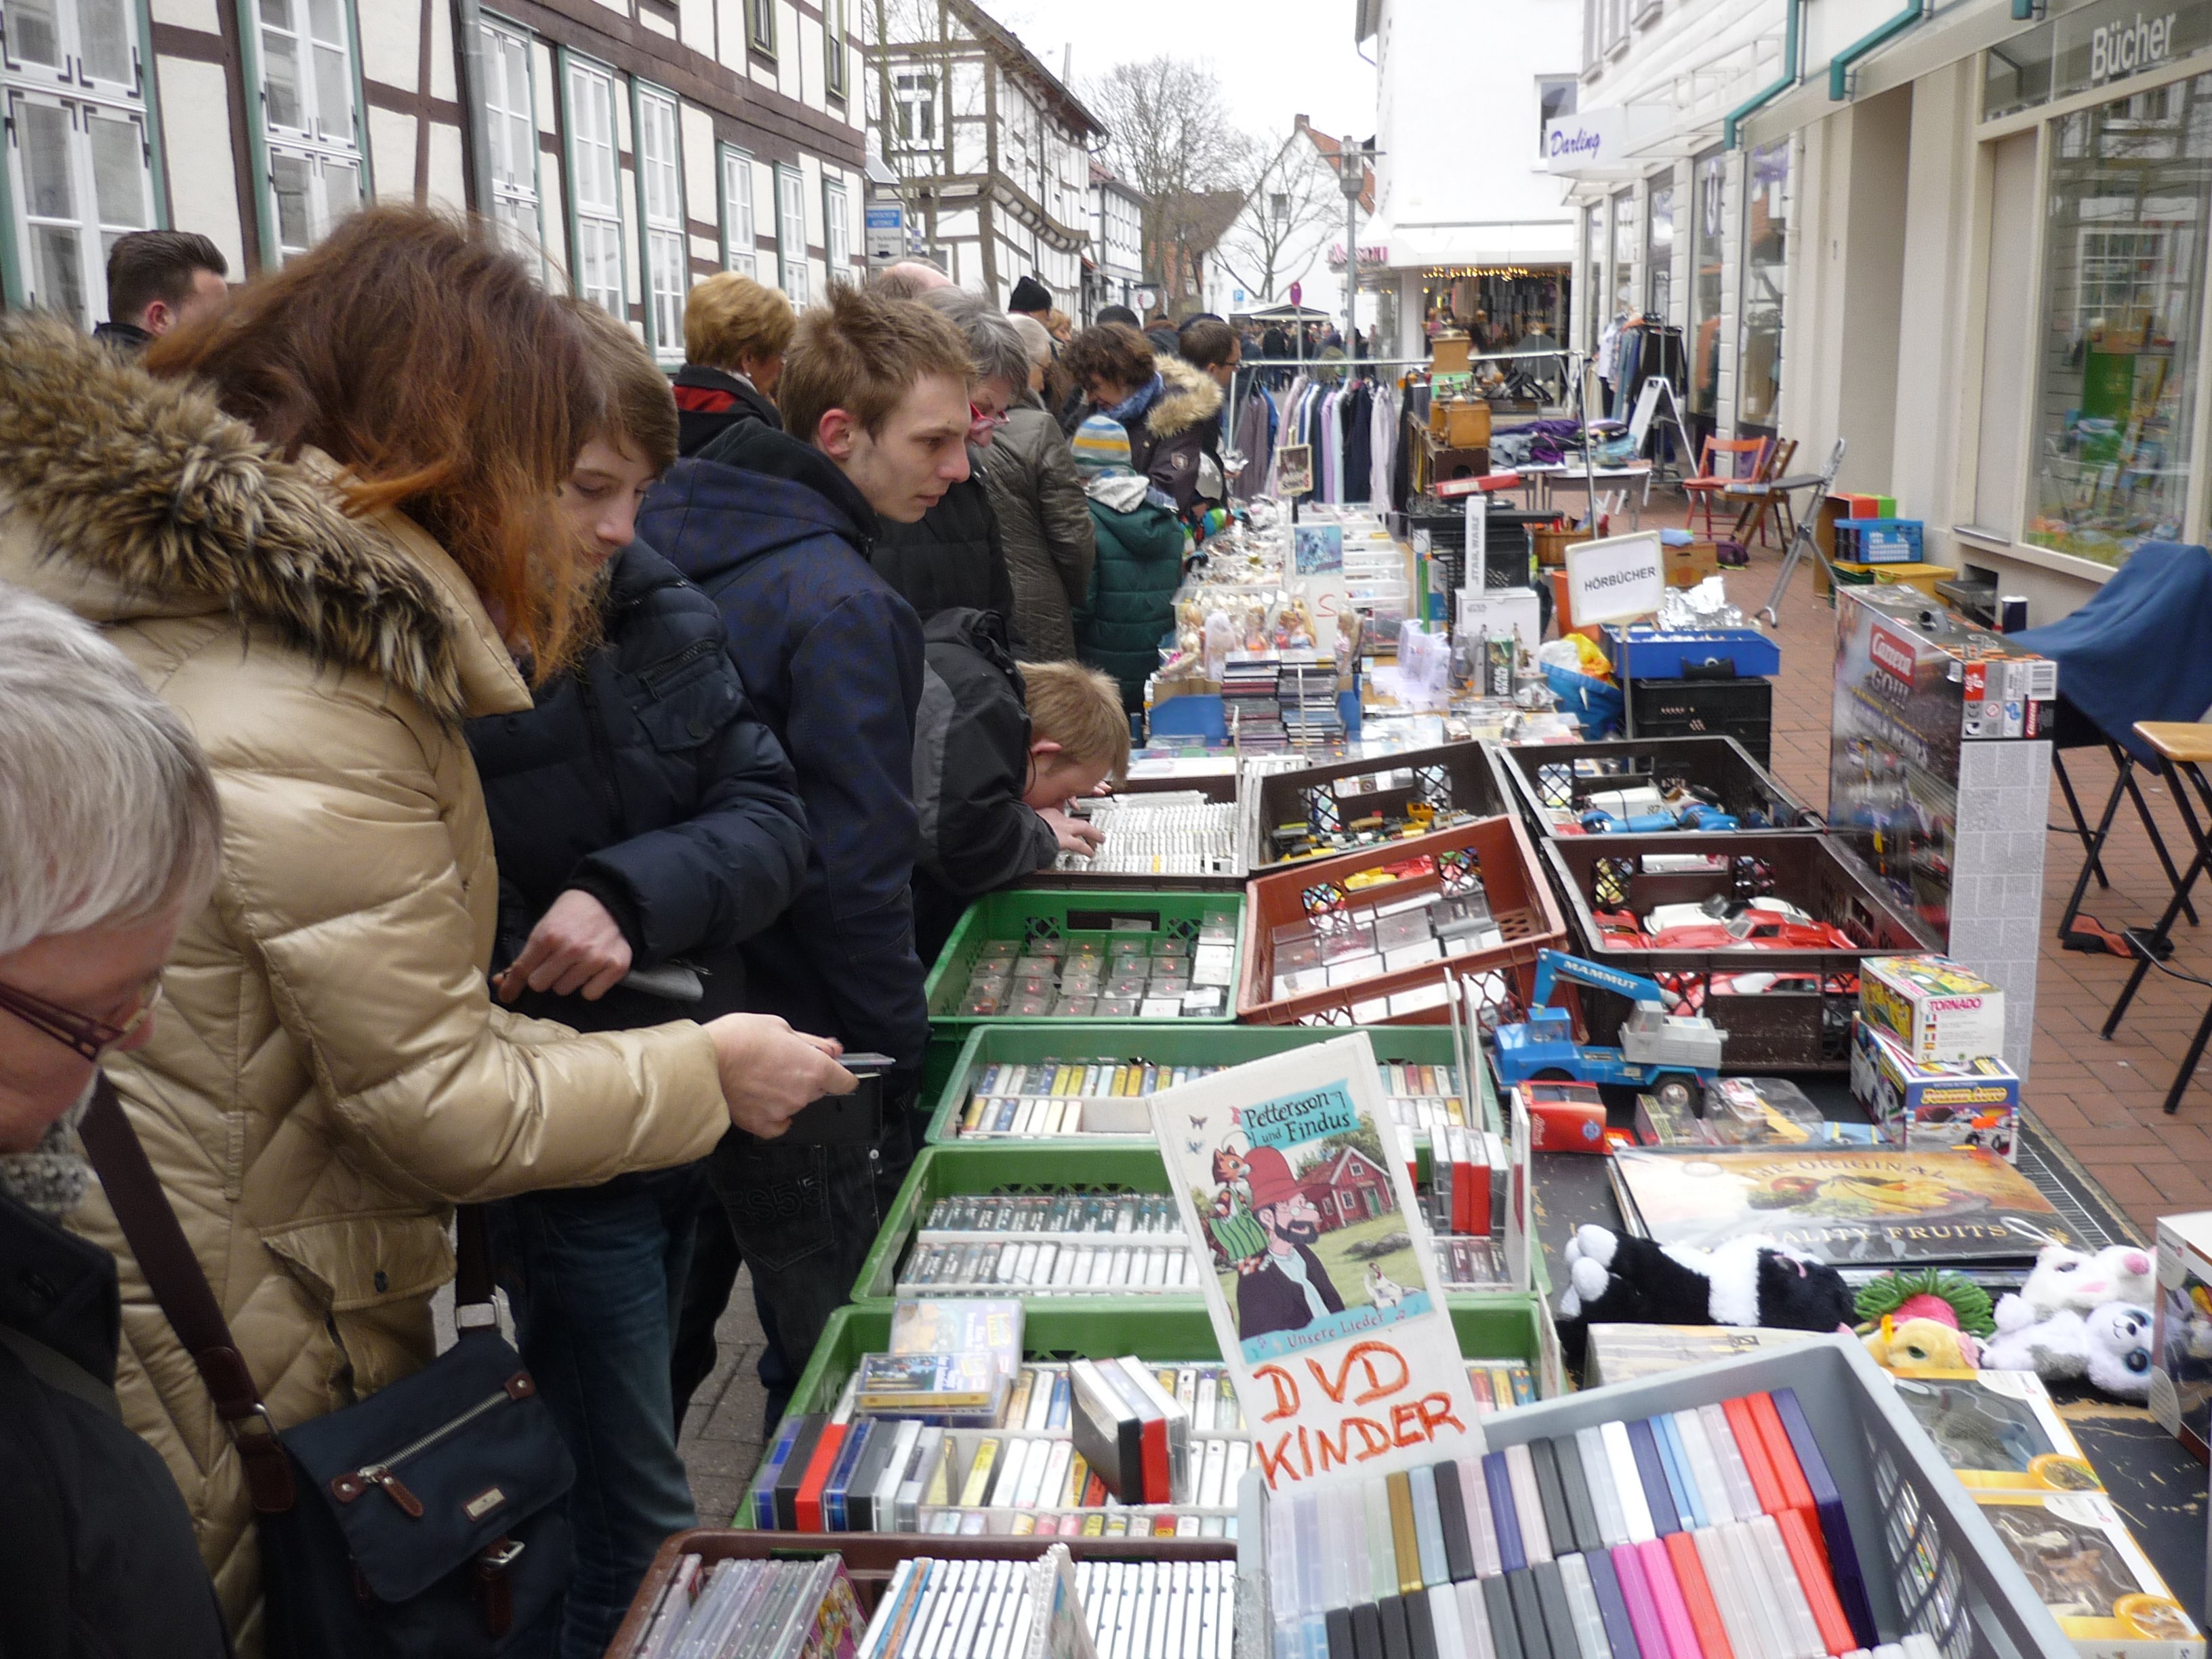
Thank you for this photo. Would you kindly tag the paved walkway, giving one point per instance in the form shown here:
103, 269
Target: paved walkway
2101, 1099
721, 1440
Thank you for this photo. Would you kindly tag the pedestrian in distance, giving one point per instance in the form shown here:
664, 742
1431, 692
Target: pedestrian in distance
735, 333
157, 279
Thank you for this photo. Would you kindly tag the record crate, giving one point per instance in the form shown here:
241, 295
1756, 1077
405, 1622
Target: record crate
1490, 860
1784, 1009
1157, 1044
1928, 1559
1555, 781
1461, 777
1061, 919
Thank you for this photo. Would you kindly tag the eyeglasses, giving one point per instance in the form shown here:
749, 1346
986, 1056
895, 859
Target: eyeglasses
977, 417
90, 1037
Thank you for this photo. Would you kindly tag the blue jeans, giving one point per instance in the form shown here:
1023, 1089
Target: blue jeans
596, 1275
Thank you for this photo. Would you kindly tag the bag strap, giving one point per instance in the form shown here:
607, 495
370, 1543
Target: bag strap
165, 1257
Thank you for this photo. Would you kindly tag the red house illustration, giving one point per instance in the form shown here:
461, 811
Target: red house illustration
1349, 1188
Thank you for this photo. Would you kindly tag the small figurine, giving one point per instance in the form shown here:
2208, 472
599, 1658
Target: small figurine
1294, 628
1255, 628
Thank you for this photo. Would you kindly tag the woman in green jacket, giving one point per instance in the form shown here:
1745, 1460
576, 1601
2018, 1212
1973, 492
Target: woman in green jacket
1130, 607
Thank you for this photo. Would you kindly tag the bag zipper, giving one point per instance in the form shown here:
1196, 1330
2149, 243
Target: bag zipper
380, 1475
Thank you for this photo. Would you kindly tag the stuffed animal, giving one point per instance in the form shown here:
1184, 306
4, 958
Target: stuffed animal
2044, 1327
2118, 1349
1899, 1345
1935, 1293
1746, 1281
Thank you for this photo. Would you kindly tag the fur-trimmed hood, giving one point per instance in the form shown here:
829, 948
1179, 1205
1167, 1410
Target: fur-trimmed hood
127, 497
1188, 396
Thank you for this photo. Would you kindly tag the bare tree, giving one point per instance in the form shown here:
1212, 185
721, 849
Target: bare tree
1171, 139
1291, 203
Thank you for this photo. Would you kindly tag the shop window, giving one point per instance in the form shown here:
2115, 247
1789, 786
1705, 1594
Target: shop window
660, 196
79, 165
511, 129
740, 238
1659, 253
1766, 248
2006, 319
1623, 293
310, 117
790, 236
1708, 239
1555, 100
2123, 292
834, 235
595, 186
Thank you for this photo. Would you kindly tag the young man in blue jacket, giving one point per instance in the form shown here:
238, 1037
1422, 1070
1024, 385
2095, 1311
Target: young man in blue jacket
777, 526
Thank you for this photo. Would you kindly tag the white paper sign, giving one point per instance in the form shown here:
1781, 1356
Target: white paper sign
1324, 1294
1616, 579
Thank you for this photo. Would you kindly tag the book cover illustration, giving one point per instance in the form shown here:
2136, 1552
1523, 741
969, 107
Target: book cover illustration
1323, 1292
1845, 1206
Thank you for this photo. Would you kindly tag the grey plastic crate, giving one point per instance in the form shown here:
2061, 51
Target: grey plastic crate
1930, 1561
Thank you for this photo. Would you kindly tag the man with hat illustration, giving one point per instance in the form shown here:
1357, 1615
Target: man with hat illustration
1290, 1289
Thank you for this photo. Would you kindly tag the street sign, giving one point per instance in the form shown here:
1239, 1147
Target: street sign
886, 232
1297, 294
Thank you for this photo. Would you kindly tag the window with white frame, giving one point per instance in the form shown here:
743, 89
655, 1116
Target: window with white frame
661, 193
760, 25
740, 240
917, 109
79, 162
310, 117
833, 45
595, 187
1556, 97
511, 128
835, 236
791, 234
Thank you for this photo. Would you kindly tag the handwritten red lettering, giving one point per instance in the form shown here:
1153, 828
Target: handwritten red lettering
1435, 1411
1275, 1460
1286, 1386
1364, 1355
1377, 1439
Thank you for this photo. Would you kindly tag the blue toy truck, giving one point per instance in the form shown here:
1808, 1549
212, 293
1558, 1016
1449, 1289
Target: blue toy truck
1670, 1055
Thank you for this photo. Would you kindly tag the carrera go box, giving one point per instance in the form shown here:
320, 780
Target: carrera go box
2181, 1346
1956, 1103
1936, 1008
2091, 1574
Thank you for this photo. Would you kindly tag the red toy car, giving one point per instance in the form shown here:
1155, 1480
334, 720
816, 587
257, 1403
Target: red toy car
1761, 924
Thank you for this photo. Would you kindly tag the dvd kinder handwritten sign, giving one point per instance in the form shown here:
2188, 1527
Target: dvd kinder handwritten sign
1322, 1290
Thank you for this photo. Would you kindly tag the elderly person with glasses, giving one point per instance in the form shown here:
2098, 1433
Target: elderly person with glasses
108, 837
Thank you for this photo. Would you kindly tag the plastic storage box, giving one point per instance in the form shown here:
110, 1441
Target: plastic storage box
1555, 780
1461, 777
1652, 653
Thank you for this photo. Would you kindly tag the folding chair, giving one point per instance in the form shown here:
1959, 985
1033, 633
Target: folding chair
2073, 730
2184, 749
1747, 457
1752, 520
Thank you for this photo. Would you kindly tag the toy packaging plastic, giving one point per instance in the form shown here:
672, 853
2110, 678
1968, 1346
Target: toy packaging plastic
2181, 1348
1956, 1103
1936, 1008
2091, 1575
1997, 1429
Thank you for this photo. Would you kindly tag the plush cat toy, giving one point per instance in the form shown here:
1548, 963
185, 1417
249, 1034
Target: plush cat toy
2073, 1319
1616, 1279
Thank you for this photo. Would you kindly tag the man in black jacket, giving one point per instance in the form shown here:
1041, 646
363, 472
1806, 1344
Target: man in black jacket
645, 819
735, 333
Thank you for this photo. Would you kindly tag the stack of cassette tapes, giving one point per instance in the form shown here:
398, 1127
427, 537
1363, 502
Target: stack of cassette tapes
986, 1609
1062, 1244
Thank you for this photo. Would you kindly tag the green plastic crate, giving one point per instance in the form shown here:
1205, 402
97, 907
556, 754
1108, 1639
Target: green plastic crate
1159, 1042
1501, 1328
1102, 915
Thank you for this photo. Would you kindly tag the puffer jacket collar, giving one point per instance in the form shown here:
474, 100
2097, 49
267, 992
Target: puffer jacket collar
1188, 396
149, 501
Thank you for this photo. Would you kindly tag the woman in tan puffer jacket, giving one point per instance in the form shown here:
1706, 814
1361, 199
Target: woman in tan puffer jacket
318, 553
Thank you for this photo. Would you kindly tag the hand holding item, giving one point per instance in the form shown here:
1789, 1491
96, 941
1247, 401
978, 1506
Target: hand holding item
769, 1071
1074, 835
576, 947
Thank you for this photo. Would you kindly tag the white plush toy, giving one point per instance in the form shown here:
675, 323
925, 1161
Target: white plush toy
2118, 1336
2046, 1327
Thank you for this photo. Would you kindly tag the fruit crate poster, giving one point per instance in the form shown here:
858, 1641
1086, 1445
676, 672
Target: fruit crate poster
1324, 1294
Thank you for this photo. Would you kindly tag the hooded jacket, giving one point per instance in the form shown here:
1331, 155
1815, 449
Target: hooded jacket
952, 558
1044, 526
643, 779
971, 760
831, 660
1177, 427
1131, 605
327, 1074
710, 401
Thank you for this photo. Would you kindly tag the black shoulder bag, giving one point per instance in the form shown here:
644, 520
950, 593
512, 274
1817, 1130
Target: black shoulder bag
425, 1521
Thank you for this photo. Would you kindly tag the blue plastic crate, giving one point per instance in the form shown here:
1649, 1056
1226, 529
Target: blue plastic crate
1656, 654
1878, 541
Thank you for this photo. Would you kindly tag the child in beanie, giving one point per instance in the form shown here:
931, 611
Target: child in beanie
1130, 608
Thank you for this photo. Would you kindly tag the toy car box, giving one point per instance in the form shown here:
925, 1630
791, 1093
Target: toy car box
2181, 1344
1936, 1008
2091, 1575
1998, 1431
1958, 1103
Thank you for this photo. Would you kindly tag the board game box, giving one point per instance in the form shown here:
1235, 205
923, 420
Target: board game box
2091, 1574
2181, 1346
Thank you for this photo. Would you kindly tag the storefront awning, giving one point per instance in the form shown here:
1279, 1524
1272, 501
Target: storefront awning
1419, 246
1603, 143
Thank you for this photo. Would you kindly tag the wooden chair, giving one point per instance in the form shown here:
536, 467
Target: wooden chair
1752, 520
1747, 456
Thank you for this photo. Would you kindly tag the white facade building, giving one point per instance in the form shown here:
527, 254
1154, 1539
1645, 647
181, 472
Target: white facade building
1114, 270
1465, 215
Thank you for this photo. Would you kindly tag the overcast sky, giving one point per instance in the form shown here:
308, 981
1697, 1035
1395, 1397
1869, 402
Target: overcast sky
1276, 59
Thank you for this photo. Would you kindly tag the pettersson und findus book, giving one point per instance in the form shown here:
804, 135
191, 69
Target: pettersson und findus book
1848, 1206
1323, 1290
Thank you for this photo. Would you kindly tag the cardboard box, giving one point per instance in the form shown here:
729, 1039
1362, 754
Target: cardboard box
1936, 1008
1997, 1429
1688, 566
2181, 1343
1960, 1104
1467, 425
2091, 1574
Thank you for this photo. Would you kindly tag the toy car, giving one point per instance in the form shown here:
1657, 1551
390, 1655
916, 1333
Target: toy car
1665, 1054
1697, 815
1758, 924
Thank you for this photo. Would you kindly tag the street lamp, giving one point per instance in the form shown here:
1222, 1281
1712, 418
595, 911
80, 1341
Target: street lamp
1350, 176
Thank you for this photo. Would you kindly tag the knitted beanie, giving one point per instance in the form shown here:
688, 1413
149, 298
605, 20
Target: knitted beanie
1029, 295
1100, 444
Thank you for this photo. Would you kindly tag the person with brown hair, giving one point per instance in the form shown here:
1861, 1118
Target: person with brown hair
778, 526
157, 279
735, 333
644, 819
322, 523
1171, 409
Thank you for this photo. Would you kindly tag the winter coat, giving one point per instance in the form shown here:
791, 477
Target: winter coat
831, 660
710, 401
328, 1074
952, 557
1044, 525
1179, 426
971, 761
101, 1557
643, 779
1131, 604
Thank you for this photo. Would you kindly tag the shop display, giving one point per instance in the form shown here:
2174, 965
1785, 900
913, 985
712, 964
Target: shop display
2094, 1578
1934, 1009
1559, 784
1318, 810
2181, 1354
1167, 1609
1047, 1268
758, 1609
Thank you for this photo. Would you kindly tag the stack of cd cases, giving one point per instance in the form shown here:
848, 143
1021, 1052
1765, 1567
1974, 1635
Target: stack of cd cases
756, 1609
969, 1609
